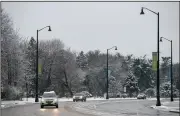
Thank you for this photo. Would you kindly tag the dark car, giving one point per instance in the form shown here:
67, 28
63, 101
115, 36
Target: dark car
141, 96
79, 97
124, 95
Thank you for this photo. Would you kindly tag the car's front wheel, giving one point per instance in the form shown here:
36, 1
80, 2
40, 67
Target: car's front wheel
42, 106
57, 106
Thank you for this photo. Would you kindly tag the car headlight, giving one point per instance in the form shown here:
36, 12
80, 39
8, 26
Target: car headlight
55, 100
81, 97
42, 100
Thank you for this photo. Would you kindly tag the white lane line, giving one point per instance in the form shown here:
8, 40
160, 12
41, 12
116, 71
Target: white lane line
138, 107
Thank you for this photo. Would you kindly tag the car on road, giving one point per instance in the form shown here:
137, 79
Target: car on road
141, 96
79, 97
88, 95
124, 95
49, 99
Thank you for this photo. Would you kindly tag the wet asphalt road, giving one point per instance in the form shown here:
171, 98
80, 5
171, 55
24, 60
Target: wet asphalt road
120, 108
133, 108
35, 110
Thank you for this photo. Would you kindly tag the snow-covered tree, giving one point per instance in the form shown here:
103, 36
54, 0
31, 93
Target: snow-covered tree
165, 89
11, 56
82, 60
165, 69
131, 83
143, 72
30, 64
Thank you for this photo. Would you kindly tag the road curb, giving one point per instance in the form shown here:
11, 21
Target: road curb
174, 111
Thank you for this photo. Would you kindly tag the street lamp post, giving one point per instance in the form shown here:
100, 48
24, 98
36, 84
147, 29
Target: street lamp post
171, 67
158, 80
107, 96
36, 99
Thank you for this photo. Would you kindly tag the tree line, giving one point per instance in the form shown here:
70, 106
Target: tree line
67, 72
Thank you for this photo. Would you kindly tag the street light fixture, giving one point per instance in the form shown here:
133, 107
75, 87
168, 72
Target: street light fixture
158, 80
36, 99
142, 12
171, 67
49, 29
107, 96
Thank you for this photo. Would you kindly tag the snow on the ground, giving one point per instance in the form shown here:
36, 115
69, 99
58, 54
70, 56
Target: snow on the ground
165, 106
2, 106
155, 98
32, 100
5, 104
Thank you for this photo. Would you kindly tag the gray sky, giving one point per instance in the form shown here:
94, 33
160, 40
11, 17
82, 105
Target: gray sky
91, 26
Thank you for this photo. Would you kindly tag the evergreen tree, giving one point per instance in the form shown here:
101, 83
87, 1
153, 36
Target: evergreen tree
143, 72
31, 65
82, 60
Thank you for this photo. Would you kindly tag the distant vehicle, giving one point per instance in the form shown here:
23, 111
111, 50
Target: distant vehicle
86, 93
49, 99
124, 95
118, 95
79, 97
141, 96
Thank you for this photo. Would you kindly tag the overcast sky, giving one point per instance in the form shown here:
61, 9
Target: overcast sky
91, 26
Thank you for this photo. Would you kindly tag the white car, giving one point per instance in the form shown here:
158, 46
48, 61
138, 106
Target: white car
141, 96
49, 99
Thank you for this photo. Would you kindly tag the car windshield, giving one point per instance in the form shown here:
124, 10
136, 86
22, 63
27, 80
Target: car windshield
78, 94
46, 95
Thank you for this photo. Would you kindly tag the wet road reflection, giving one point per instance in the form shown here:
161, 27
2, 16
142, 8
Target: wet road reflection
35, 110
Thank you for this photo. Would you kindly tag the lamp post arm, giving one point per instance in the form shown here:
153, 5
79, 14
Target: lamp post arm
166, 39
111, 48
43, 28
150, 10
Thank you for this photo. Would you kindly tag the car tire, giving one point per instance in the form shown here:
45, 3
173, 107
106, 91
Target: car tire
42, 106
73, 100
57, 106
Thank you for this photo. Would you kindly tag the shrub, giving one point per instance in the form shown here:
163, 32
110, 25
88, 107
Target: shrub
13, 93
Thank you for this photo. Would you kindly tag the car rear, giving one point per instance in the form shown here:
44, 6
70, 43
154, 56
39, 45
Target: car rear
141, 96
79, 97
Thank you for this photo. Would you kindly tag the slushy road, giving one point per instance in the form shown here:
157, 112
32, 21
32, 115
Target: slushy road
121, 107
132, 108
35, 110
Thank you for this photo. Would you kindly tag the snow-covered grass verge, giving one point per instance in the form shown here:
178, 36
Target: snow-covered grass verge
71, 99
7, 104
168, 106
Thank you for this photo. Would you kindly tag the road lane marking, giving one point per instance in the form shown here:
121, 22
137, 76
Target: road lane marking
138, 107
